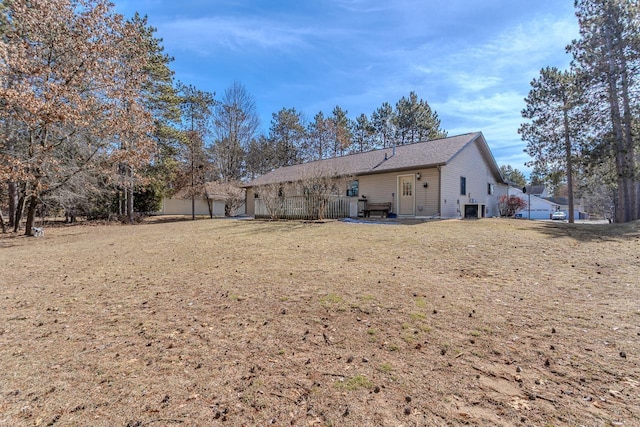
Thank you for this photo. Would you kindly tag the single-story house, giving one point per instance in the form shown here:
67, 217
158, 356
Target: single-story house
210, 199
578, 207
452, 177
537, 207
537, 190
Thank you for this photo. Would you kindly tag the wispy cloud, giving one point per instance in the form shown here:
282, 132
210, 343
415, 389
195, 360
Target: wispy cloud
472, 61
208, 34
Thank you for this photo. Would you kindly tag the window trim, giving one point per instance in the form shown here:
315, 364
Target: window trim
463, 185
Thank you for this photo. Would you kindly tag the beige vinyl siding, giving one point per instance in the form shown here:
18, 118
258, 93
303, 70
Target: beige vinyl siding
183, 207
427, 203
250, 195
378, 188
493, 208
471, 164
383, 188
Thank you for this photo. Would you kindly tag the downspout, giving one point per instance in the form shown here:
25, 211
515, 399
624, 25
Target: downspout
440, 191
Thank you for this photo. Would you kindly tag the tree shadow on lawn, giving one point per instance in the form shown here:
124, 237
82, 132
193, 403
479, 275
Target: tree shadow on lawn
592, 232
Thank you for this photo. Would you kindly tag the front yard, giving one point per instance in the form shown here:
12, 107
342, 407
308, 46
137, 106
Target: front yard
488, 322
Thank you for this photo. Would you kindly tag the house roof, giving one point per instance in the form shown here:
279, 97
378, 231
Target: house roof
515, 191
215, 191
431, 153
535, 190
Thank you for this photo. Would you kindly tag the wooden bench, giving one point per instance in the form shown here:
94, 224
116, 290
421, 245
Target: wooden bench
383, 208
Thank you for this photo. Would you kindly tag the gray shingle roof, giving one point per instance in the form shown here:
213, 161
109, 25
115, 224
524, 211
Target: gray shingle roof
215, 191
535, 190
412, 156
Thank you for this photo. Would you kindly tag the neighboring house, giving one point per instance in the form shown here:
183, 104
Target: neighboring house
210, 201
447, 178
537, 190
537, 207
578, 208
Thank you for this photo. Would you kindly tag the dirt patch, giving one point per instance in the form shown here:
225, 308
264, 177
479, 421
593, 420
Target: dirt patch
490, 322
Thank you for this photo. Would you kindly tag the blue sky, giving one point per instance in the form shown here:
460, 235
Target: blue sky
471, 60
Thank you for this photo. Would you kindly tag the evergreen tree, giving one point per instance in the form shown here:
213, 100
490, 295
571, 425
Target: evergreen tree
415, 121
287, 134
608, 52
383, 121
318, 136
554, 106
162, 100
261, 156
513, 175
362, 132
196, 109
340, 131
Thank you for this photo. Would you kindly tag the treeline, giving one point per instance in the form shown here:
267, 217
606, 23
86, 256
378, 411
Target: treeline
292, 140
583, 123
94, 124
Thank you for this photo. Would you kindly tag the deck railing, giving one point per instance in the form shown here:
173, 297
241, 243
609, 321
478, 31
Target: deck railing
304, 207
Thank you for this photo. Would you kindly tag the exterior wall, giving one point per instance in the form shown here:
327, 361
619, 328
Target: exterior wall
540, 208
441, 196
249, 201
471, 164
183, 207
382, 188
501, 190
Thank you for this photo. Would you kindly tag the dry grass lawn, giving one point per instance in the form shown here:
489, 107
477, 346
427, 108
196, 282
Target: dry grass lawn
222, 322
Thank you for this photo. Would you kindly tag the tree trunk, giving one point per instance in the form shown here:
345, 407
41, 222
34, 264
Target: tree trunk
13, 203
624, 181
18, 213
130, 202
627, 123
569, 161
638, 192
31, 215
2, 223
210, 203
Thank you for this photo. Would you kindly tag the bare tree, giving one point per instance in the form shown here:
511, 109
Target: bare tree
236, 125
234, 198
320, 186
308, 197
272, 195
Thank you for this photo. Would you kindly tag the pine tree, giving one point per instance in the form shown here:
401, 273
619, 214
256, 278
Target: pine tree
383, 121
513, 175
318, 138
196, 110
554, 106
415, 121
608, 52
287, 134
362, 132
340, 131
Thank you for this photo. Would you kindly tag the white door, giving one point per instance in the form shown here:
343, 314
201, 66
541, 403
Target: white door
406, 190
